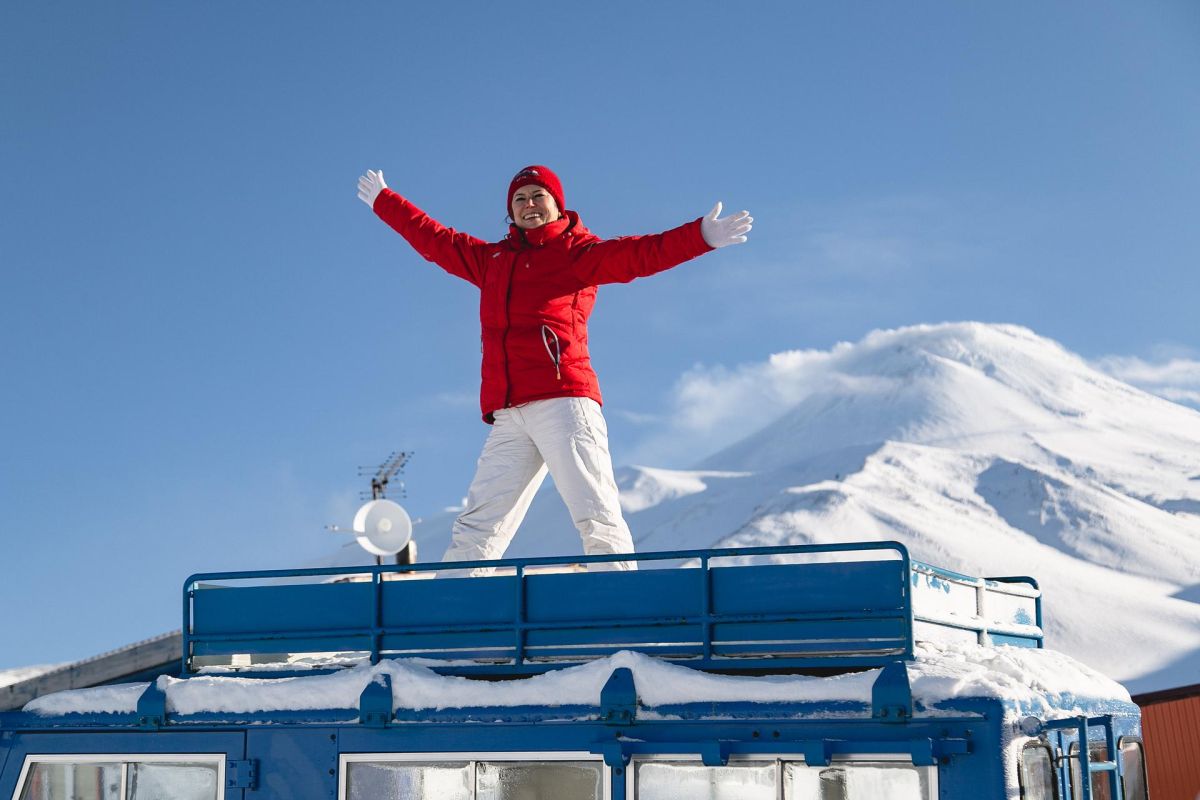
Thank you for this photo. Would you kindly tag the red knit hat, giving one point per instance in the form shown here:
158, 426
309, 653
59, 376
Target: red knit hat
541, 176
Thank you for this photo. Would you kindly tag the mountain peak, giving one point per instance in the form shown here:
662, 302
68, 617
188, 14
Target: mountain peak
951, 385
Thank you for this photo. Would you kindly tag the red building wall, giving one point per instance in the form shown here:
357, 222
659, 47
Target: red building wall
1171, 730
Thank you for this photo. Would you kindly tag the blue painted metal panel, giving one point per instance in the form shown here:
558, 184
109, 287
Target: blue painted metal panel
580, 597
5, 749
294, 764
449, 601
878, 586
528, 621
282, 609
965, 739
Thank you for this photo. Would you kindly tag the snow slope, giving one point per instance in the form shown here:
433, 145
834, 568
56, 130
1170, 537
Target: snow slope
983, 448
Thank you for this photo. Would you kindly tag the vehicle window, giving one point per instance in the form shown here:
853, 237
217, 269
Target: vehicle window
520, 780
1133, 769
174, 781
474, 780
148, 779
73, 782
757, 780
855, 781
1097, 751
660, 780
1036, 775
379, 780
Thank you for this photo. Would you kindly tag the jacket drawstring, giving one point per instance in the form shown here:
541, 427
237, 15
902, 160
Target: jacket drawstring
556, 353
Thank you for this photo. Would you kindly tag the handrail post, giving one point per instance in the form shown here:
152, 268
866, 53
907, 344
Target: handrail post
706, 566
1110, 741
985, 635
1037, 612
909, 613
1085, 761
187, 628
377, 614
519, 626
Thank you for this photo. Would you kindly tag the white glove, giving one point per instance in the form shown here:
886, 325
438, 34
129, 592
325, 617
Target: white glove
370, 185
731, 230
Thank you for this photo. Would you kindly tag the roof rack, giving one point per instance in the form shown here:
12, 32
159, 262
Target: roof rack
828, 607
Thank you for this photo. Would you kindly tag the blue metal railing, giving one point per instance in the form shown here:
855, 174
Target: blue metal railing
983, 623
821, 613
1111, 764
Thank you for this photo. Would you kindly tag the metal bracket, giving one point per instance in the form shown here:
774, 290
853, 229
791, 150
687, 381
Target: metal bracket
891, 695
241, 774
714, 754
922, 753
614, 754
152, 707
375, 702
618, 698
818, 753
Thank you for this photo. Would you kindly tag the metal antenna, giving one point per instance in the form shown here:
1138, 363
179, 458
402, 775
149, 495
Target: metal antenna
384, 473
381, 526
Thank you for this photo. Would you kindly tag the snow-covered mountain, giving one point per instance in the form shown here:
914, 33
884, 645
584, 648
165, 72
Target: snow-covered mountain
983, 448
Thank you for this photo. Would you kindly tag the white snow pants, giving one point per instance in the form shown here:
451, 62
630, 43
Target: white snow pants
567, 436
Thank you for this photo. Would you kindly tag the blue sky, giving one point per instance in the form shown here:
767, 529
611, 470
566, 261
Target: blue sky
205, 333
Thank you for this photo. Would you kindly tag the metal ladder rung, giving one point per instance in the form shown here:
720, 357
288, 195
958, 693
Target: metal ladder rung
1102, 766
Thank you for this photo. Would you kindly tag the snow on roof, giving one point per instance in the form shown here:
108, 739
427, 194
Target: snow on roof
1030, 681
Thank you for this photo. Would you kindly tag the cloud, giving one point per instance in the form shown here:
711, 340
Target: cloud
636, 417
1170, 373
715, 406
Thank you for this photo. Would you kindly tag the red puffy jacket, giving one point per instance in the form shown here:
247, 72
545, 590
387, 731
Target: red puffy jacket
537, 289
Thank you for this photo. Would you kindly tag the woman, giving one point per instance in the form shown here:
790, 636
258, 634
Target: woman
537, 288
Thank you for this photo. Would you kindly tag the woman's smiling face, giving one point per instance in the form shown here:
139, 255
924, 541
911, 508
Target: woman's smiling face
532, 207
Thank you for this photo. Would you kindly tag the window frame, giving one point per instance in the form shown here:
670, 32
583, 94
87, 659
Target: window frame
124, 760
779, 759
473, 757
1037, 744
1121, 742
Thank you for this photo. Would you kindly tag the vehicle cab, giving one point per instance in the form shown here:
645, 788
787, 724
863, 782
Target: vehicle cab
823, 672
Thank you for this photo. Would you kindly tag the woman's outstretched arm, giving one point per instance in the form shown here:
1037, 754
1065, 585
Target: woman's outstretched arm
459, 254
622, 259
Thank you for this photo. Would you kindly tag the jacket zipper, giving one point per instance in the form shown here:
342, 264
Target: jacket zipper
507, 328
556, 353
